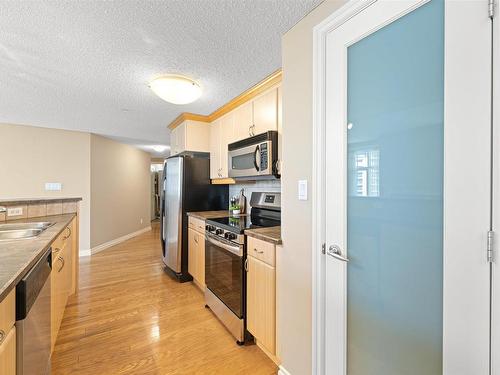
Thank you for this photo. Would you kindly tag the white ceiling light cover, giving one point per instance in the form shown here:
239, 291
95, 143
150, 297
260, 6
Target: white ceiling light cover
176, 89
159, 148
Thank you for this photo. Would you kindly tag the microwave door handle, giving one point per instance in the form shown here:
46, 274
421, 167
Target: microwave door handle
257, 165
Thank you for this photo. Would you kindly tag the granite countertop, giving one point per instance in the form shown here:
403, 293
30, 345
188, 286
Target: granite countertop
37, 200
203, 215
269, 234
18, 256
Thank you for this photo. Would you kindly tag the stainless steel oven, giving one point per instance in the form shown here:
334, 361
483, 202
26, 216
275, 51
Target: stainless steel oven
255, 157
224, 278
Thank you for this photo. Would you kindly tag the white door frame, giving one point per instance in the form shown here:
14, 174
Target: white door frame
457, 355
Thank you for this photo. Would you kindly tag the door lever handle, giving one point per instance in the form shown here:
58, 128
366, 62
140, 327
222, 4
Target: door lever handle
334, 251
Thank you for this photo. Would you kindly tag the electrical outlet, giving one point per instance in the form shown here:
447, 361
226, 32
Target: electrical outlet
15, 211
53, 186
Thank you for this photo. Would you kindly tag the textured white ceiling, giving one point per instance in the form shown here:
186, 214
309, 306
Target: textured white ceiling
85, 65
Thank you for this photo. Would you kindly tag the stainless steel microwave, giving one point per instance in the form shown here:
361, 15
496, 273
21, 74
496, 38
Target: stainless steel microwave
255, 157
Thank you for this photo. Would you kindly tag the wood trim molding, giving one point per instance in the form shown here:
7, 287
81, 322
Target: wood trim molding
223, 181
248, 95
244, 97
187, 116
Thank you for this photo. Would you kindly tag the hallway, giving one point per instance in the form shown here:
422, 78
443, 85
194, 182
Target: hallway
129, 317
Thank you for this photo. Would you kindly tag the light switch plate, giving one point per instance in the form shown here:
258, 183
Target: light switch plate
53, 186
302, 190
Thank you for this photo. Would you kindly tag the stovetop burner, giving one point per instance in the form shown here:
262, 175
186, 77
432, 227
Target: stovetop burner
238, 224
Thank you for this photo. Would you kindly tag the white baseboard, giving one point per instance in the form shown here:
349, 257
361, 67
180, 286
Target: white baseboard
116, 241
283, 371
85, 252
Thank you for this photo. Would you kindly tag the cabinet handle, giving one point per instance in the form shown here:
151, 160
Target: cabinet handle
62, 261
2, 336
246, 265
69, 233
56, 250
259, 252
252, 130
196, 238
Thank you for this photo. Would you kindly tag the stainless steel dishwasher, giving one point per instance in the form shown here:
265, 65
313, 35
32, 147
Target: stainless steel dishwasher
33, 319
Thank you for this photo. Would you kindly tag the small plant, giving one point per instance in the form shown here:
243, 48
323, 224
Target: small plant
234, 204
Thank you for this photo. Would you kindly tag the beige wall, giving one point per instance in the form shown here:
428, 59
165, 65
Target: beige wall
113, 179
120, 190
31, 156
295, 276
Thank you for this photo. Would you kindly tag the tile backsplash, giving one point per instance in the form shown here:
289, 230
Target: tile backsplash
251, 186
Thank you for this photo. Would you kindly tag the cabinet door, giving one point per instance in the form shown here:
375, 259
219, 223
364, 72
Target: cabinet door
243, 121
181, 137
265, 112
67, 271
192, 254
261, 303
74, 255
8, 353
200, 257
226, 136
173, 141
215, 149
59, 289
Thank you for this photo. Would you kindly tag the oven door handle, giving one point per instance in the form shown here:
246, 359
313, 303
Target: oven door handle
256, 152
236, 250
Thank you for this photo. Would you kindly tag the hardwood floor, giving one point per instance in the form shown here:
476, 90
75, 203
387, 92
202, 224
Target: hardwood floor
129, 317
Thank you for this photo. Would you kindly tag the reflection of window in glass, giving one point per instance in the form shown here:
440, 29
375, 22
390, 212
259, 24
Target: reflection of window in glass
365, 173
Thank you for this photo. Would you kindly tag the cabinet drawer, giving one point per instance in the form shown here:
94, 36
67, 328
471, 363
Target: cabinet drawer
8, 353
265, 251
7, 312
197, 224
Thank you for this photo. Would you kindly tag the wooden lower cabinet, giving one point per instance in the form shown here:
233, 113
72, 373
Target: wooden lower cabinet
8, 353
8, 334
61, 278
261, 303
196, 256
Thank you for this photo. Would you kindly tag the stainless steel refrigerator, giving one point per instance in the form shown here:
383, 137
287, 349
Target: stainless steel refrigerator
186, 188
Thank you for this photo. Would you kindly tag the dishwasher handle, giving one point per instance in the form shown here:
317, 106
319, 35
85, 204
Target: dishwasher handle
28, 289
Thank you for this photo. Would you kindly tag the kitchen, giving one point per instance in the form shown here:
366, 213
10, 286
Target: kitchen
253, 187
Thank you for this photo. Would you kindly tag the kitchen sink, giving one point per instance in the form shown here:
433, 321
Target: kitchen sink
16, 231
21, 226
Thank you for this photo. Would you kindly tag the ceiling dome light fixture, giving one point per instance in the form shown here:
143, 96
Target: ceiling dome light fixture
176, 89
159, 148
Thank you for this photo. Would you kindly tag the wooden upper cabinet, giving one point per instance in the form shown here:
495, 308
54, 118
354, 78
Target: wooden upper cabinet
221, 134
243, 121
190, 136
265, 112
251, 118
173, 141
215, 130
226, 137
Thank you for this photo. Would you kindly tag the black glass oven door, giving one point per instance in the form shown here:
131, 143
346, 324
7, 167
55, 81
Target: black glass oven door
224, 274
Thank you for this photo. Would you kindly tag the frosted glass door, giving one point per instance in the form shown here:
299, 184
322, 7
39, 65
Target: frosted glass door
406, 277
395, 197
